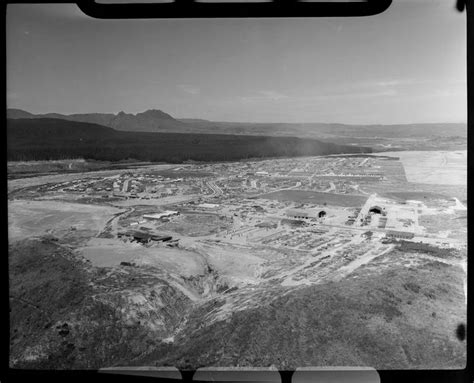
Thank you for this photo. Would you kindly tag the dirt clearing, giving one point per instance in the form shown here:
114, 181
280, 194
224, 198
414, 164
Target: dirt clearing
30, 218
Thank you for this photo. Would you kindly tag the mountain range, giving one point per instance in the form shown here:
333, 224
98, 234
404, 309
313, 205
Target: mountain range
429, 136
154, 120
149, 121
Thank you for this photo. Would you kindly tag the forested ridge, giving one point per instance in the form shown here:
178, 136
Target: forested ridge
51, 139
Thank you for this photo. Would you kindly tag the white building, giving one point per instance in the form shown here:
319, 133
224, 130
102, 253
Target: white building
157, 216
208, 205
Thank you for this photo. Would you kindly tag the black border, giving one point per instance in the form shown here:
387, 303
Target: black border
191, 9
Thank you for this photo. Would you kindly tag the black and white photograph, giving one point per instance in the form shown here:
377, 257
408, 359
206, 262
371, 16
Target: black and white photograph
276, 193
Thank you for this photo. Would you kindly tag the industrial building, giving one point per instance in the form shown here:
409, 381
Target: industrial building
144, 237
301, 214
267, 225
377, 210
399, 234
210, 206
158, 216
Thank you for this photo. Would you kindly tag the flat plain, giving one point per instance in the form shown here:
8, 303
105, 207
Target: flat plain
434, 167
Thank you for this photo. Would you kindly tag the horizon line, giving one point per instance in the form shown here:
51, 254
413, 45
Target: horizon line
249, 122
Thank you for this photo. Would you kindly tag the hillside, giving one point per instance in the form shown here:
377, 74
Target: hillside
65, 313
57, 322
47, 139
364, 320
435, 136
18, 113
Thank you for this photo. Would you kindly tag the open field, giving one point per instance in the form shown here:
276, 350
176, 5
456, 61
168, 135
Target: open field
109, 252
434, 167
27, 218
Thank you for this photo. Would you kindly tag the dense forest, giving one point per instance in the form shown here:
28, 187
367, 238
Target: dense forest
51, 139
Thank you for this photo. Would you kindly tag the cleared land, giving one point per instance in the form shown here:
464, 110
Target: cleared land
434, 167
103, 252
27, 218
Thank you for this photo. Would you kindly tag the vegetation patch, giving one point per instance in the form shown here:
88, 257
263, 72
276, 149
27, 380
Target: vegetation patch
52, 139
382, 320
424, 248
68, 315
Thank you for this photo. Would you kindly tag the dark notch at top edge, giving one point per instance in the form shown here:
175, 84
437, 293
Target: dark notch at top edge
191, 9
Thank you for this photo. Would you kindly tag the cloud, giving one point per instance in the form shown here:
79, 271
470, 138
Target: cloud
388, 83
345, 96
12, 96
189, 89
446, 92
272, 95
371, 88
382, 83
264, 95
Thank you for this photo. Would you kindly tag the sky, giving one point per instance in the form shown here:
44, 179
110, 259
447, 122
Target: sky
406, 65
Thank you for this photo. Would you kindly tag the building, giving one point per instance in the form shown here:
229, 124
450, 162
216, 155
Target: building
399, 234
161, 238
136, 235
126, 186
300, 214
267, 225
144, 237
208, 206
158, 216
377, 210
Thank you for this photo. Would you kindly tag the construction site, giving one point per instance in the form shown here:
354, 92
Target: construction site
237, 232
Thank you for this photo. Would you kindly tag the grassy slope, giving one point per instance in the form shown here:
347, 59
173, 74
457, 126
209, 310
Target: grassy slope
57, 323
399, 318
381, 316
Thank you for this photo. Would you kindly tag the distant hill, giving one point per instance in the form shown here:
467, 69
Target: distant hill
194, 121
18, 113
344, 130
148, 121
49, 138
377, 136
